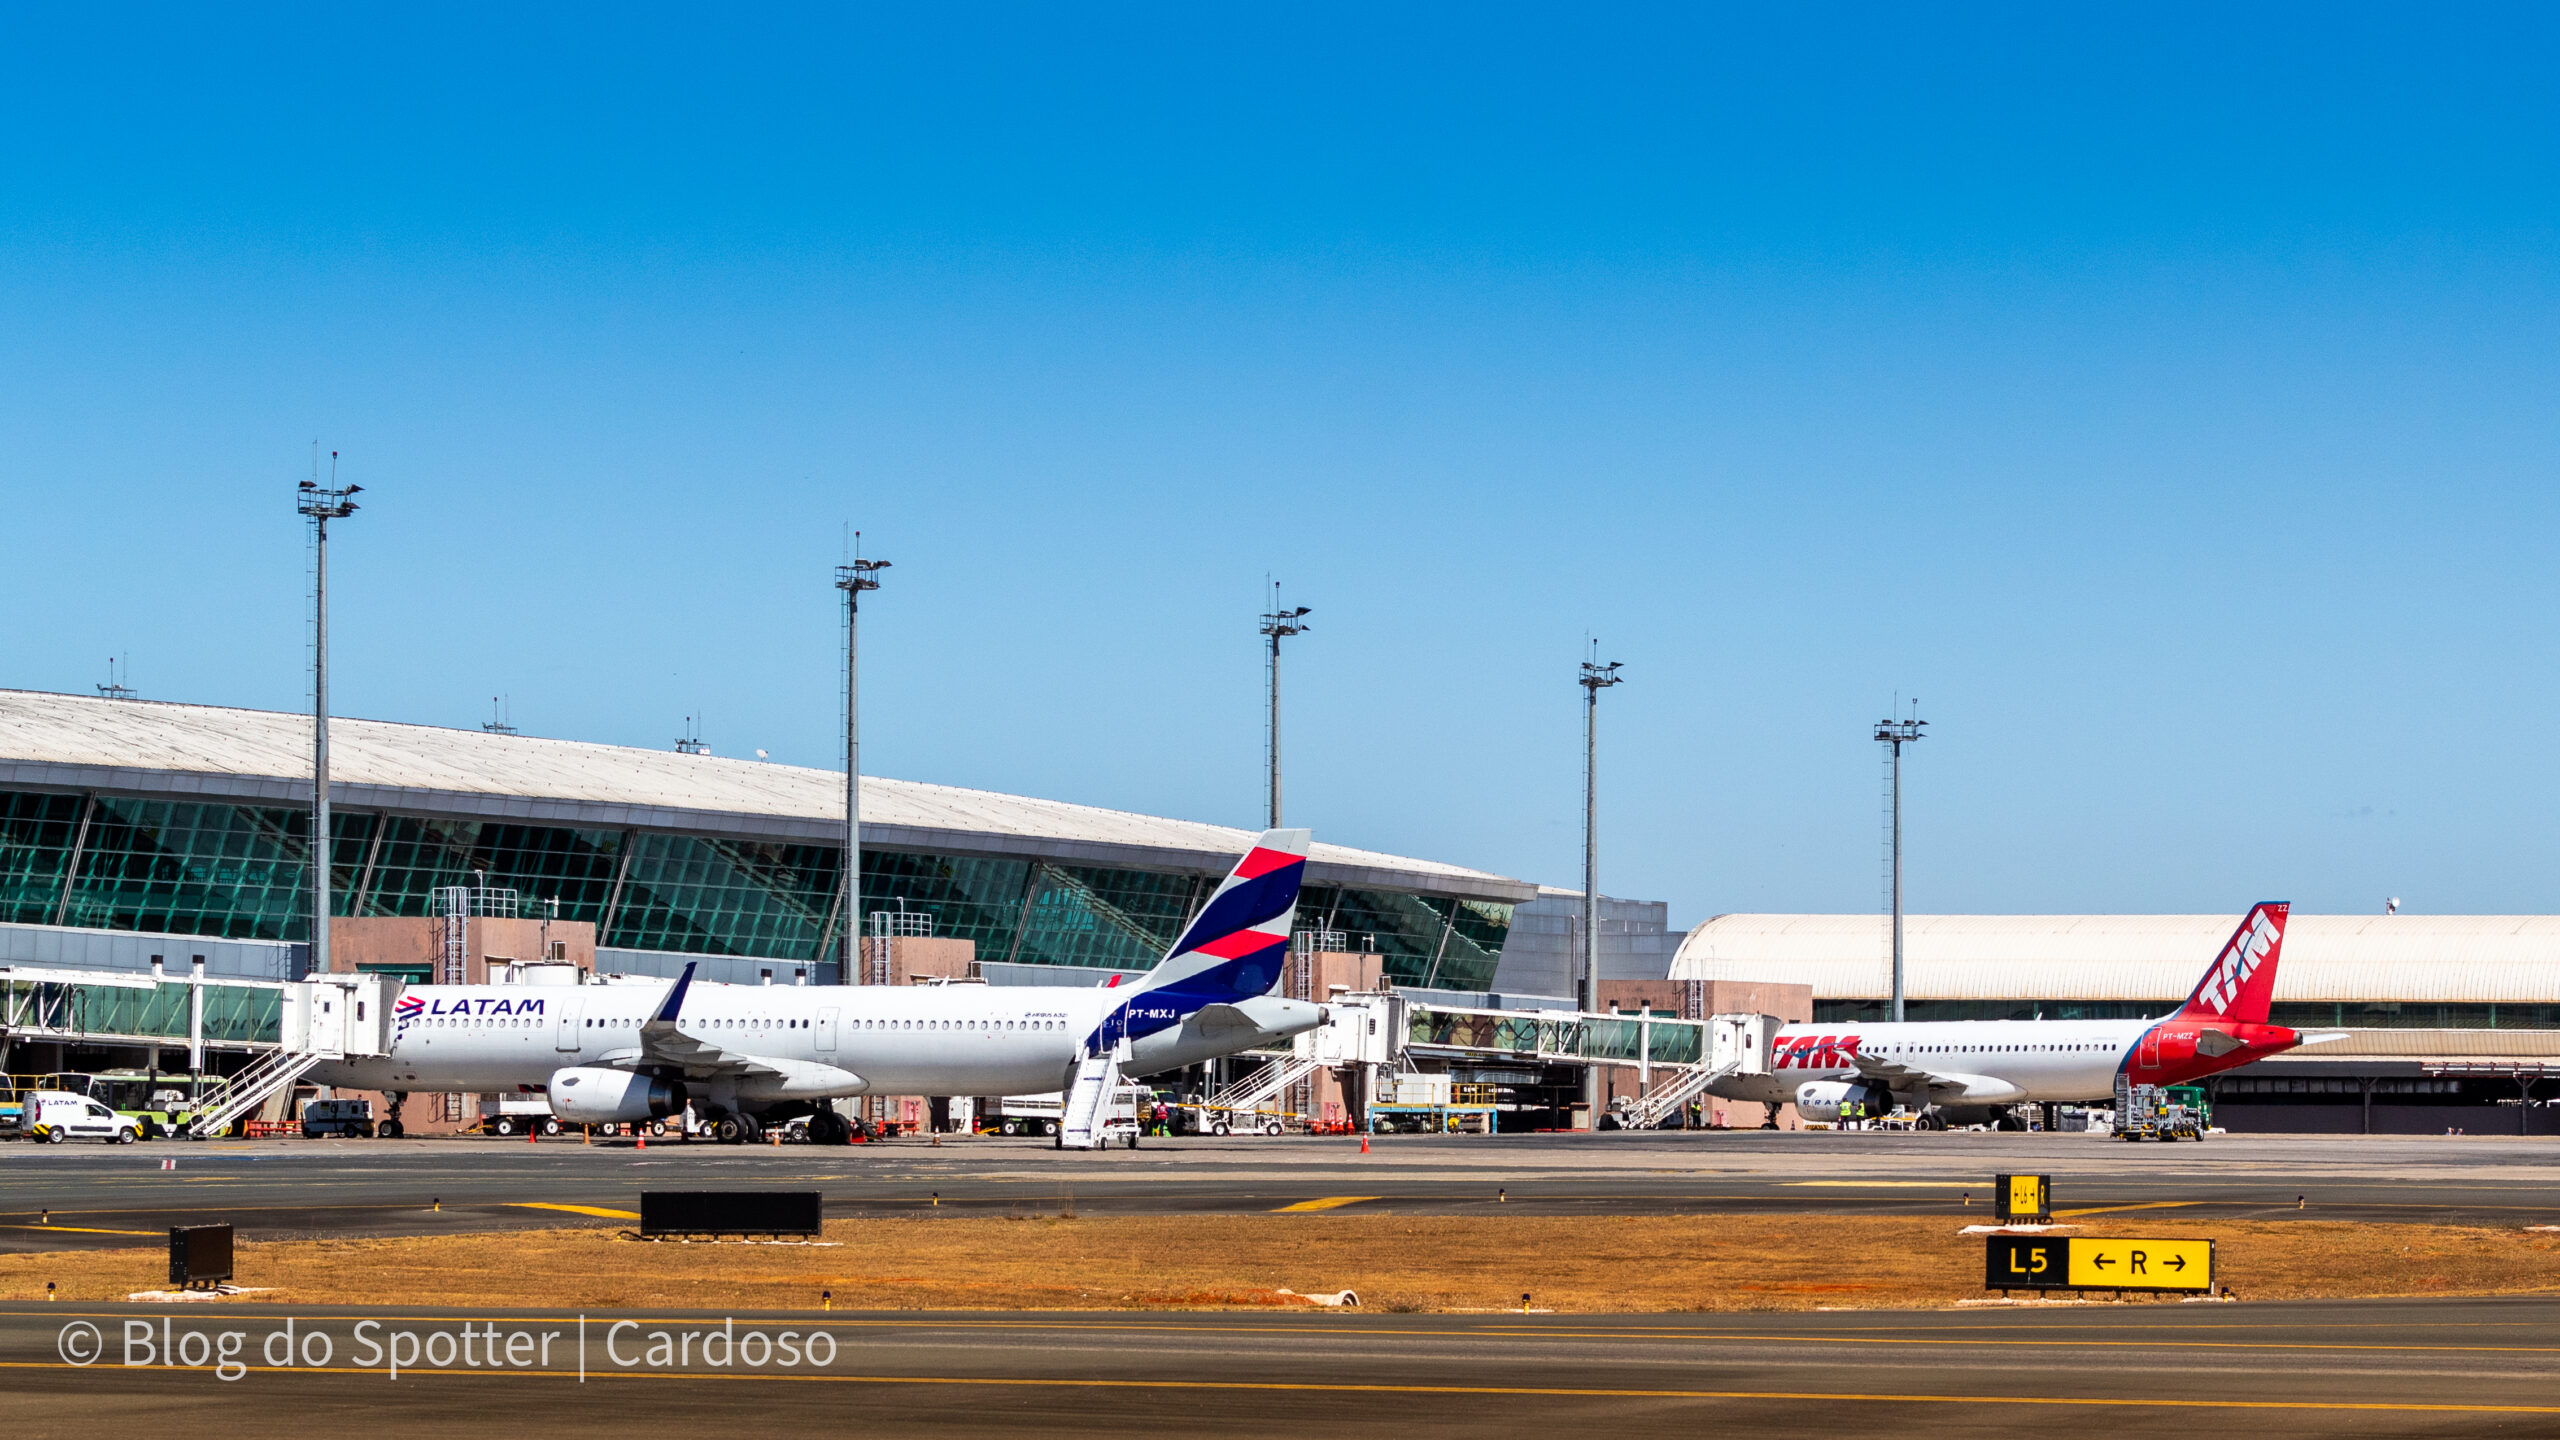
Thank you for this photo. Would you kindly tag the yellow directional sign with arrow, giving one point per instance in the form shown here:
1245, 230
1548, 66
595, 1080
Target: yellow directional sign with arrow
2141, 1264
2051, 1262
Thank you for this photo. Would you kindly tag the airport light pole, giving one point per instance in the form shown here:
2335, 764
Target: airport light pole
321, 505
1279, 624
1596, 677
1898, 733
853, 578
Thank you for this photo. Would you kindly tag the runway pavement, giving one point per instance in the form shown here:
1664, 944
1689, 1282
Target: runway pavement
2446, 1367
118, 1195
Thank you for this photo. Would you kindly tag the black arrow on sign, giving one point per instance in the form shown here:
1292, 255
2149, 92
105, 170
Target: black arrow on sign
2103, 1261
2177, 1262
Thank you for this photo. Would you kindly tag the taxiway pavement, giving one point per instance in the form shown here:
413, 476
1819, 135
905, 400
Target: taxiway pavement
79, 1196
2441, 1367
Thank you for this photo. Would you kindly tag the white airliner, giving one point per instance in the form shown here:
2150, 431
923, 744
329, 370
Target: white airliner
1971, 1071
751, 1055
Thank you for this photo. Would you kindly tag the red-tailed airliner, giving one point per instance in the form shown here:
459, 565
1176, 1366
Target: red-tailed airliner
1971, 1071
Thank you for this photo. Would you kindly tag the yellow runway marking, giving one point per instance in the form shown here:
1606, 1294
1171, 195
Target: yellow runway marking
2115, 1209
1320, 1387
602, 1214
81, 1230
1330, 1202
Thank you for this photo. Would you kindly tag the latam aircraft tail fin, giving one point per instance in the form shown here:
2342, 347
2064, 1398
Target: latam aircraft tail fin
1234, 948
2242, 980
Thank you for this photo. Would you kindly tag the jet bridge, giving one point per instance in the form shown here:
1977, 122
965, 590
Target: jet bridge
286, 1027
1372, 1037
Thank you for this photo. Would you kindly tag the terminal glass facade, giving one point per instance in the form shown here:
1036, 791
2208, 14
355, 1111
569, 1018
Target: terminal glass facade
241, 872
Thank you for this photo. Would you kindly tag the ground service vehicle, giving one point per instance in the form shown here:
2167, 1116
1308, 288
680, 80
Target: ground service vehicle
351, 1119
55, 1116
518, 1115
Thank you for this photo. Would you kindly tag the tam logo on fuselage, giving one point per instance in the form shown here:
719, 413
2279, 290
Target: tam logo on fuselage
1816, 1052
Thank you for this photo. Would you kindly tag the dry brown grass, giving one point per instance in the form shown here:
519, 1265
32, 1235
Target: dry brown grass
1636, 1263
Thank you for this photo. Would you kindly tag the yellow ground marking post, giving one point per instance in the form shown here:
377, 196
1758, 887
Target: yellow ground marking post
1329, 1202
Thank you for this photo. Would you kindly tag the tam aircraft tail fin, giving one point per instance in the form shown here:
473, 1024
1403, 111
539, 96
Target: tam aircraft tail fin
2241, 983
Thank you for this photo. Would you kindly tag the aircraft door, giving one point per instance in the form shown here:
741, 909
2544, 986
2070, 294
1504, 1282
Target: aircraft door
564, 1031
827, 1031
2148, 1057
327, 1020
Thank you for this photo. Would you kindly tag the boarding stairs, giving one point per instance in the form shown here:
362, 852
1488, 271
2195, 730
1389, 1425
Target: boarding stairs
1084, 1118
1264, 1086
1670, 1096
251, 1088
324, 1017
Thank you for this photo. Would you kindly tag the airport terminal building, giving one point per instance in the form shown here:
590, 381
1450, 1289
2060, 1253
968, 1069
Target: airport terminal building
127, 819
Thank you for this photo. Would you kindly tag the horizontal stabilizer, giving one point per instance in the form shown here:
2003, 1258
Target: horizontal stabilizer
1214, 1018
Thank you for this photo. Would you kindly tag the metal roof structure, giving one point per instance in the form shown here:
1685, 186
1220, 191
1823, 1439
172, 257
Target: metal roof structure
213, 753
2441, 959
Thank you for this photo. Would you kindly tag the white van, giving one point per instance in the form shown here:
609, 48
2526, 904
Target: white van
56, 1116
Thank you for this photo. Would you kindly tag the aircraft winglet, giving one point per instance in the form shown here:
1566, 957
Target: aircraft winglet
675, 997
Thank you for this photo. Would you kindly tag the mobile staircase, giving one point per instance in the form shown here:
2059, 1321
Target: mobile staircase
1263, 1087
1732, 1045
245, 1092
1084, 1116
1670, 1098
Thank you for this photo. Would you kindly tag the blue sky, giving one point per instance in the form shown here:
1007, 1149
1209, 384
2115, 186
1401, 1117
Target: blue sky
2164, 396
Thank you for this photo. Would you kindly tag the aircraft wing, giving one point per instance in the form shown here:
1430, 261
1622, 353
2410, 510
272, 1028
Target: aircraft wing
664, 1043
1906, 1080
1893, 1073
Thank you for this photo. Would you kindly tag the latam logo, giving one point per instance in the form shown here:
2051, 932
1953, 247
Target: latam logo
1815, 1052
2238, 961
414, 1008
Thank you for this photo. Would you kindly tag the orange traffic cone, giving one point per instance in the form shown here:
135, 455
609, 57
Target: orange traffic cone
1364, 1142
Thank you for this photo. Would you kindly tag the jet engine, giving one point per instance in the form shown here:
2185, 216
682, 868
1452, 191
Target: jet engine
1825, 1099
594, 1095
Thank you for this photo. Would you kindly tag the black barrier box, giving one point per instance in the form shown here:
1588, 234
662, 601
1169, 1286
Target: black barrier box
731, 1212
2026, 1262
199, 1254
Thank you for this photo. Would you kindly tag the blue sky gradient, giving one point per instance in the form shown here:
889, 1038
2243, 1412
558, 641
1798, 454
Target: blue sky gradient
2165, 396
